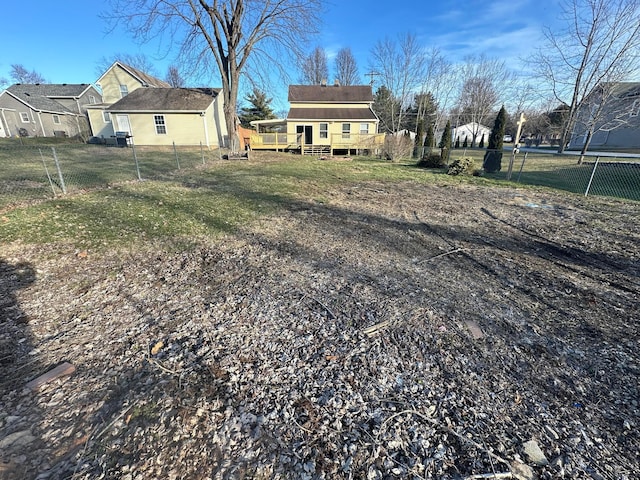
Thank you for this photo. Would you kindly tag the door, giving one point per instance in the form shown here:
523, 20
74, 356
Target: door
123, 124
2, 131
306, 132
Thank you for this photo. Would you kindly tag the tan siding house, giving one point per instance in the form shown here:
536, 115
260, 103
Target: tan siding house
164, 116
325, 119
153, 113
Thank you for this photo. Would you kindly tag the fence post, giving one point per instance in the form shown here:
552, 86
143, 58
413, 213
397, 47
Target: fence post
524, 159
135, 159
175, 151
202, 153
53, 189
593, 172
55, 159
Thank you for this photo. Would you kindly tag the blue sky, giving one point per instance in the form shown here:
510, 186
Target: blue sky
64, 41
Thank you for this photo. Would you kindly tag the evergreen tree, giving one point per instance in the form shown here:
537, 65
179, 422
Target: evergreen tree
445, 141
457, 145
493, 157
386, 107
417, 147
430, 140
465, 144
481, 145
259, 108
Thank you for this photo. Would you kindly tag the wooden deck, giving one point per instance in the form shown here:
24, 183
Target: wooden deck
295, 142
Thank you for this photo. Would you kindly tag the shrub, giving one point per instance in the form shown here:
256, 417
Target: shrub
492, 161
460, 166
432, 160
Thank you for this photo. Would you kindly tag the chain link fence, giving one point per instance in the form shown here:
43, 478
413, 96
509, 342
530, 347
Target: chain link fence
606, 175
35, 172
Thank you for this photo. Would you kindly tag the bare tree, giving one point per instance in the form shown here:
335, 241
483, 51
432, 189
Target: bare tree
482, 79
401, 66
138, 60
346, 67
234, 36
315, 69
441, 81
174, 78
598, 45
20, 74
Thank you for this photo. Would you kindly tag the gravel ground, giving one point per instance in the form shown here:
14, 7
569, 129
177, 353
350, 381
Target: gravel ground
394, 331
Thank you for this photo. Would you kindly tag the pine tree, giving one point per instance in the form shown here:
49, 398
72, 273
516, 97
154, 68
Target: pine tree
445, 141
481, 145
457, 142
417, 146
430, 140
493, 157
259, 108
465, 144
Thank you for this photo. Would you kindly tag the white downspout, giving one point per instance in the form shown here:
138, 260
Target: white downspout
206, 129
44, 134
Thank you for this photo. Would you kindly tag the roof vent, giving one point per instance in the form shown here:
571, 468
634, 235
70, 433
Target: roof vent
323, 82
336, 83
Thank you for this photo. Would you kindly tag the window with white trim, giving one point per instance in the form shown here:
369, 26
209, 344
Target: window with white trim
161, 126
364, 129
324, 130
92, 99
24, 116
635, 109
124, 91
346, 130
56, 119
106, 116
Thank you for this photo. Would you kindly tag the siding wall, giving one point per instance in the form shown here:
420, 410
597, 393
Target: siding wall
110, 84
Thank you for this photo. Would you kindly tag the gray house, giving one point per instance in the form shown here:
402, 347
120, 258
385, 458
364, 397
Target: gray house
46, 110
609, 118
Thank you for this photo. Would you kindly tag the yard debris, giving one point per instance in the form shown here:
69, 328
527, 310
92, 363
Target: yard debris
61, 370
317, 346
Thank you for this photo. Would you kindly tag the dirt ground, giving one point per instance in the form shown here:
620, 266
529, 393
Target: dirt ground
394, 331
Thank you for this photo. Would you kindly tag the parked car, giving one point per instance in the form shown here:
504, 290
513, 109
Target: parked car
507, 138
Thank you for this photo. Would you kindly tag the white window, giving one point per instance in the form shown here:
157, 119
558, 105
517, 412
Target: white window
124, 91
364, 128
635, 108
92, 99
106, 116
161, 127
24, 116
324, 130
56, 119
346, 130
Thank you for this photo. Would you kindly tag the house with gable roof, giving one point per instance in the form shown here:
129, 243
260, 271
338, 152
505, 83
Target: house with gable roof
46, 110
323, 119
153, 113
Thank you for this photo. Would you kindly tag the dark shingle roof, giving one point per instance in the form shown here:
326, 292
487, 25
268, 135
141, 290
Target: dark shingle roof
330, 93
166, 99
35, 95
56, 90
331, 114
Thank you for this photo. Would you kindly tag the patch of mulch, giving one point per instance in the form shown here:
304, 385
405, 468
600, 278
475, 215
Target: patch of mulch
394, 331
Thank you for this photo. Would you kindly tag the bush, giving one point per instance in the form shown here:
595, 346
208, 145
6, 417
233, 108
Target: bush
460, 166
432, 160
492, 161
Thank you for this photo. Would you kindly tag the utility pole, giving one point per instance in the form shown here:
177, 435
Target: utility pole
371, 75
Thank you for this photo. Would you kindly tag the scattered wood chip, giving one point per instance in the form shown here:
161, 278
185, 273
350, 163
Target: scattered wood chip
60, 371
373, 329
474, 328
157, 347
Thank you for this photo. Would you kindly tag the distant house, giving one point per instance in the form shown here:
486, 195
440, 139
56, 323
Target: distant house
612, 113
47, 110
154, 113
323, 119
468, 131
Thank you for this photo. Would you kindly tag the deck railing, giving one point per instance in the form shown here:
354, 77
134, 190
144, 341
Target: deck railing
337, 141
